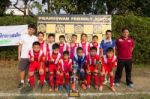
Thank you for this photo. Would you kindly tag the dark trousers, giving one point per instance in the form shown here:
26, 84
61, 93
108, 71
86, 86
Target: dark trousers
128, 68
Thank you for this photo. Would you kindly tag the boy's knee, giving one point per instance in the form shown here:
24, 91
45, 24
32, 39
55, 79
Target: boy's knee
31, 73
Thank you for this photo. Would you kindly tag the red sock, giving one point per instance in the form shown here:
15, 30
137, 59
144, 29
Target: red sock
111, 81
101, 80
96, 80
31, 80
51, 80
88, 79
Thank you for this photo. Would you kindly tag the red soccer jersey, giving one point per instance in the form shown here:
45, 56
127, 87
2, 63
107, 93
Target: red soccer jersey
63, 47
95, 44
38, 56
65, 66
44, 47
108, 63
54, 58
85, 46
92, 60
72, 49
124, 48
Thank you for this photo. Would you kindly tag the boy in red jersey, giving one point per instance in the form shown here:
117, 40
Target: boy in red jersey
92, 61
63, 46
84, 44
65, 67
53, 58
109, 62
95, 43
36, 58
44, 45
72, 46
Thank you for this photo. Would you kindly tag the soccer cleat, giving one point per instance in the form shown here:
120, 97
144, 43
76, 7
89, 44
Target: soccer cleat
51, 89
21, 85
96, 87
101, 88
67, 88
117, 84
83, 86
60, 88
113, 89
88, 87
130, 86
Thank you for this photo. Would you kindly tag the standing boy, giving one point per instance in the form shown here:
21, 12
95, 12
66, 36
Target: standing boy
25, 45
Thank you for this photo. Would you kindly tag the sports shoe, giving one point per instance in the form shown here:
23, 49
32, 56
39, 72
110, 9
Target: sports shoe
117, 84
21, 85
67, 88
101, 88
113, 89
60, 88
130, 85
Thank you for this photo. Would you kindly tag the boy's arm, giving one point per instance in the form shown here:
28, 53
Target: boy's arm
19, 51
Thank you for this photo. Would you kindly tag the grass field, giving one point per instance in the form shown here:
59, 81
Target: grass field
9, 78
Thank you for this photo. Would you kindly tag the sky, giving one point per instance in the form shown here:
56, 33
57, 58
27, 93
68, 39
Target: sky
34, 10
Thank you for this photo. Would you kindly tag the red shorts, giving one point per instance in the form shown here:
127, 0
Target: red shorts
52, 67
91, 67
34, 66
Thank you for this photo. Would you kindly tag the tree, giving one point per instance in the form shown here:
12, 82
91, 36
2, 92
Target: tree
25, 2
3, 5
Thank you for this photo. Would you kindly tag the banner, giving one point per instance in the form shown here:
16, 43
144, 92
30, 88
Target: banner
10, 35
74, 24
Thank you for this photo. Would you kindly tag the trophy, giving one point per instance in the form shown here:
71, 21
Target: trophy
74, 82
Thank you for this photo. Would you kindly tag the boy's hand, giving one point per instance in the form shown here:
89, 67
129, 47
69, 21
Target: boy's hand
52, 60
96, 71
32, 59
19, 58
41, 71
58, 72
82, 70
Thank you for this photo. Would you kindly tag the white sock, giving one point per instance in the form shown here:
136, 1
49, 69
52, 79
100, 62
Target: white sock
22, 81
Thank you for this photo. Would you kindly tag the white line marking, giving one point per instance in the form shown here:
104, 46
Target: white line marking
81, 94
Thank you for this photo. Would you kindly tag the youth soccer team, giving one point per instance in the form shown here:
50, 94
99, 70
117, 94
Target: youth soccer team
54, 62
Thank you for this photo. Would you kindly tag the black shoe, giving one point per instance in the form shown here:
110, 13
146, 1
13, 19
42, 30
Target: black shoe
40, 86
21, 85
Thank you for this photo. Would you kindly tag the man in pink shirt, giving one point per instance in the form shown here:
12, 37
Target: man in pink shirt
124, 46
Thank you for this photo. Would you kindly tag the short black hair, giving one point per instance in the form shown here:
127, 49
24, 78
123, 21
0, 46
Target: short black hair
125, 28
40, 33
74, 35
32, 26
95, 36
66, 53
51, 35
36, 43
108, 31
93, 48
110, 49
61, 36
79, 48
55, 46
83, 34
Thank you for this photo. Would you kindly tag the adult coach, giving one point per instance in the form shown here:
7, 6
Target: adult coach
25, 44
124, 46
